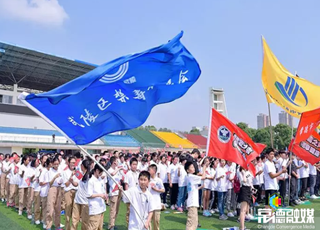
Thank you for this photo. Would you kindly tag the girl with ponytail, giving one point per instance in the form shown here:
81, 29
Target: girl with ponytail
80, 205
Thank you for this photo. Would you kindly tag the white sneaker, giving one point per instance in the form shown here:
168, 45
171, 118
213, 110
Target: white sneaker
230, 214
216, 210
2, 200
212, 211
313, 197
61, 225
20, 213
44, 226
166, 205
172, 207
249, 216
235, 213
37, 222
30, 217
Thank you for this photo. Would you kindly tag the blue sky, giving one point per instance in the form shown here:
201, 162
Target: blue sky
224, 36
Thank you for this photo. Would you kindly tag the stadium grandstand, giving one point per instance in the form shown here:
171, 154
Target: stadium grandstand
26, 70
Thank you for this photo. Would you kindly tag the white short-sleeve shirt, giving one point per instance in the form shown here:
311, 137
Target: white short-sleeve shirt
97, 204
269, 183
193, 182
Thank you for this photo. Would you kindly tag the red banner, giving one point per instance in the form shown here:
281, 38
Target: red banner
227, 141
309, 121
307, 141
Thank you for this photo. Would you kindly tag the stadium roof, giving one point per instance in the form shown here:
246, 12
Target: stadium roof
36, 70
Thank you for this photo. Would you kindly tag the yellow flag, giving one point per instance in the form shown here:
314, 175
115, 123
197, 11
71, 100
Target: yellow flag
294, 94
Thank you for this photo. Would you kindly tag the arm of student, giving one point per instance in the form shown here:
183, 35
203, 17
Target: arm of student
147, 223
274, 175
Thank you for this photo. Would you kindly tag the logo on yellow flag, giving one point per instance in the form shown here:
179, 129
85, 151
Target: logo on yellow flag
294, 94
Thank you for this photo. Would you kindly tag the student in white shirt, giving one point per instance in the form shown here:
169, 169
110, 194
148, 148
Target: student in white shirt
282, 162
24, 182
53, 177
173, 181
14, 179
182, 183
231, 195
5, 169
32, 171
257, 180
97, 195
193, 182
313, 179
156, 188
207, 186
270, 175
142, 200
44, 188
304, 174
162, 174
80, 205
70, 182
221, 178
115, 195
144, 165
131, 180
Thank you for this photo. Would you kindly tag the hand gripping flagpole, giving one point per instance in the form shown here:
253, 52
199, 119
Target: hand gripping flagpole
22, 97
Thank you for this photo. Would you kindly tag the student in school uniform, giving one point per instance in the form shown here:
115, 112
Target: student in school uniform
24, 183
231, 195
270, 175
5, 169
207, 185
36, 191
32, 170
114, 194
70, 182
182, 182
53, 177
96, 193
14, 179
131, 180
80, 205
156, 188
221, 178
142, 200
193, 182
173, 181
162, 174
44, 189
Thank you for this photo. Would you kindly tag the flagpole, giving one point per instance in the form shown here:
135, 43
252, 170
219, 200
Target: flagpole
270, 125
22, 98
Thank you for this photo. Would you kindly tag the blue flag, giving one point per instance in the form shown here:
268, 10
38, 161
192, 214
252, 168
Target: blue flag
118, 95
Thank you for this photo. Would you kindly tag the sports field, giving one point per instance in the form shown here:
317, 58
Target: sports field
10, 220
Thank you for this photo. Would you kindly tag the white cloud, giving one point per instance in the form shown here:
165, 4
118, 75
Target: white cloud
45, 12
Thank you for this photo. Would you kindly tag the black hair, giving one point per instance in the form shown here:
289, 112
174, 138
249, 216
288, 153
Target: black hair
33, 163
145, 174
182, 158
113, 159
77, 155
47, 162
144, 159
102, 160
269, 150
24, 158
7, 156
70, 158
195, 151
96, 167
133, 160
154, 167
55, 158
86, 164
163, 157
187, 165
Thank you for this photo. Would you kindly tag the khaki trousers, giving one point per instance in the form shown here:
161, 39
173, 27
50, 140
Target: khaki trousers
156, 220
114, 209
54, 207
95, 222
23, 196
12, 193
128, 213
63, 202
192, 219
30, 200
80, 211
3, 185
36, 207
69, 200
44, 201
7, 189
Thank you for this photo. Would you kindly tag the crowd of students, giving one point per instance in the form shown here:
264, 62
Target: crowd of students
48, 185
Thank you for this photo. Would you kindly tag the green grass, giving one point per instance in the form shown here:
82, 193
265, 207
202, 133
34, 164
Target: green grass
9, 219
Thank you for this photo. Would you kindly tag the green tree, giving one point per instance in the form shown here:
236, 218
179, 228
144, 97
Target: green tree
262, 136
164, 130
195, 131
250, 131
150, 128
282, 137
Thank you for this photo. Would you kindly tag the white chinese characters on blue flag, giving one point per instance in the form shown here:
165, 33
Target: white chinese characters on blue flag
118, 95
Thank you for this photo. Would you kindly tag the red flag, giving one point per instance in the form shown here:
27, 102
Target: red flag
77, 162
227, 141
306, 143
78, 175
308, 150
309, 121
28, 181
